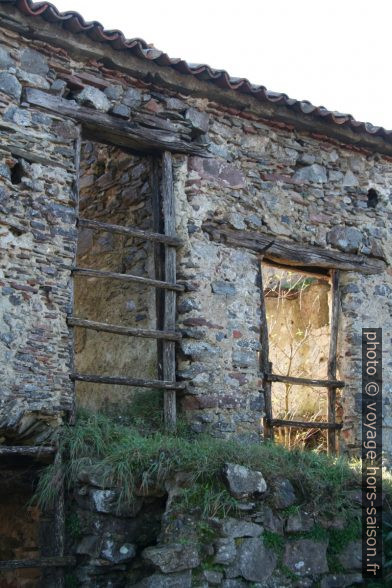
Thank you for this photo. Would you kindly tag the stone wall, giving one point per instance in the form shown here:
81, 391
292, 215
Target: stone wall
275, 539
259, 176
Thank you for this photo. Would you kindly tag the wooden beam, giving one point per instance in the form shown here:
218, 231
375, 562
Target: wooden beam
169, 320
305, 424
304, 381
294, 254
92, 273
27, 450
42, 562
130, 331
110, 129
129, 231
264, 364
122, 381
332, 363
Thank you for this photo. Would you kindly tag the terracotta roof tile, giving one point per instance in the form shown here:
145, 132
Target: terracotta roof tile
75, 23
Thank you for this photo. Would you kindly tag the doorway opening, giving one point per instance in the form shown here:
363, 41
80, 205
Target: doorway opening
301, 372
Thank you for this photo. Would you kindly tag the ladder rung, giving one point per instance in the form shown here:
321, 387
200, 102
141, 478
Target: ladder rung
131, 331
27, 450
305, 424
130, 231
304, 381
41, 562
120, 381
92, 273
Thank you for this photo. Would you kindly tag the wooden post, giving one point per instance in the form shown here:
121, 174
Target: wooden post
333, 343
169, 321
76, 190
265, 364
59, 522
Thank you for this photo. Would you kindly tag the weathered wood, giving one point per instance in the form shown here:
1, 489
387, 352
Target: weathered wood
159, 258
92, 273
305, 424
42, 562
108, 128
129, 231
122, 381
294, 254
33, 157
264, 364
59, 524
304, 381
78, 150
333, 343
27, 450
317, 273
130, 331
169, 352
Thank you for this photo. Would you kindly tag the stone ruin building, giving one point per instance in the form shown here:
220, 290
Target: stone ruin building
165, 226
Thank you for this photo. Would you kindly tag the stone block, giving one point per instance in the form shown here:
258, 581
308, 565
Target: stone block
347, 239
254, 561
93, 97
284, 494
10, 85
173, 557
242, 481
34, 62
306, 557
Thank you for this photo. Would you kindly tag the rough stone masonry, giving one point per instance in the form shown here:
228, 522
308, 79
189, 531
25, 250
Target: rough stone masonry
252, 165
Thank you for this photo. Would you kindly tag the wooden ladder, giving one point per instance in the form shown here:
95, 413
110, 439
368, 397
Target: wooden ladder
166, 243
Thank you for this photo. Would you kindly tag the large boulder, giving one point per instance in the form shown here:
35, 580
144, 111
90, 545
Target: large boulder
242, 481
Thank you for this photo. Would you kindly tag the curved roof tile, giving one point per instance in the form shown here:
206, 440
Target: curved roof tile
75, 23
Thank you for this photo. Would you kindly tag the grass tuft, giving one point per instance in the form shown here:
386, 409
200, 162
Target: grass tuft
132, 452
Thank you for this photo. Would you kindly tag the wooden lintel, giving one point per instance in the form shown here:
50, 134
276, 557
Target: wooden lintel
42, 562
122, 381
119, 330
305, 424
112, 130
93, 273
129, 231
294, 254
305, 381
27, 450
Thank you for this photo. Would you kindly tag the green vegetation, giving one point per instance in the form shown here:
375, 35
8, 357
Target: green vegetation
273, 541
135, 452
73, 526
